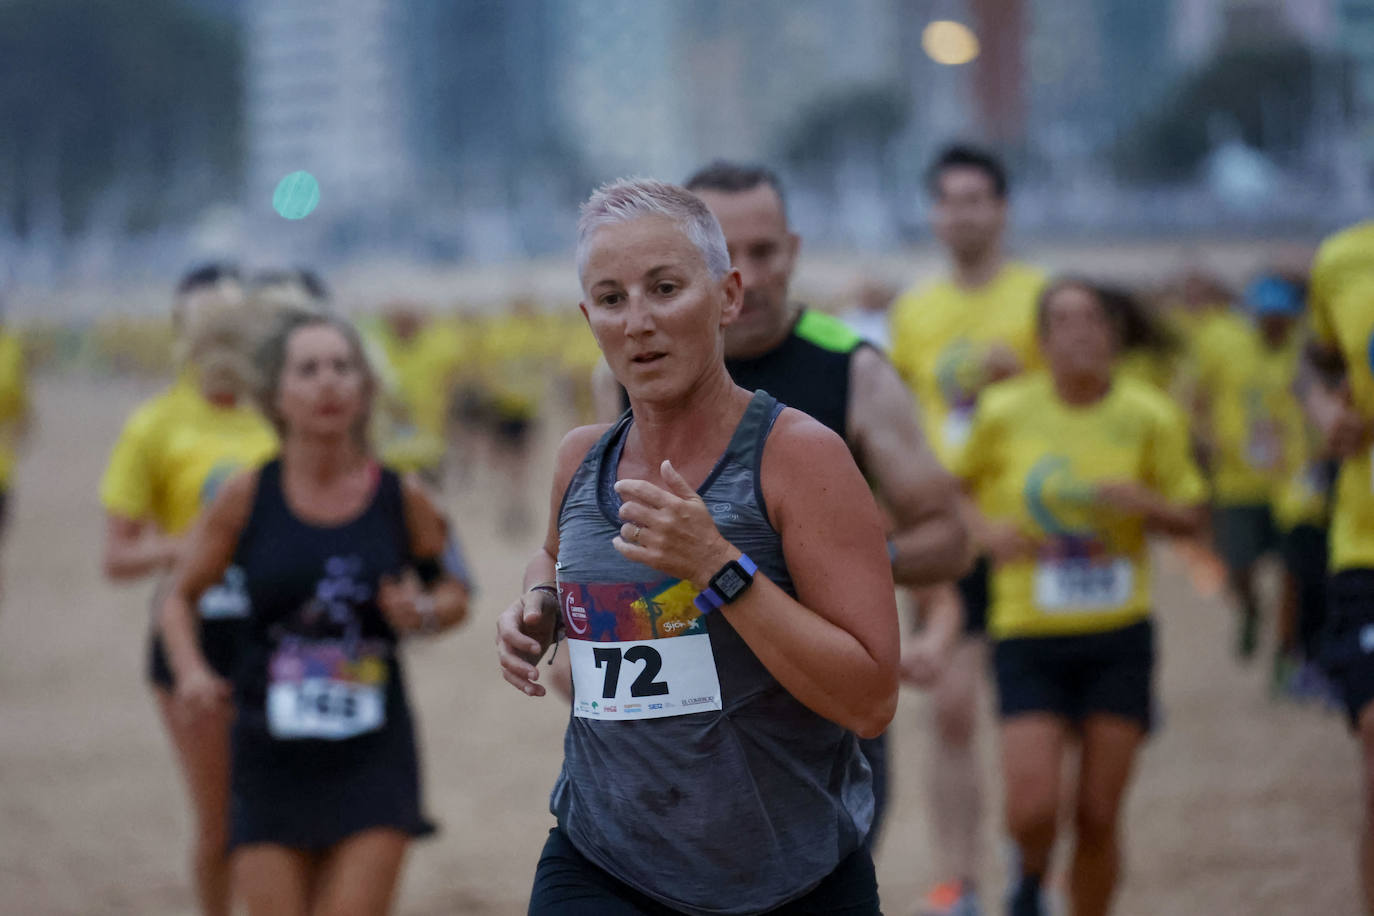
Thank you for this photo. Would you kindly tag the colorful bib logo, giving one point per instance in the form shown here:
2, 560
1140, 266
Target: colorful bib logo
618, 612
577, 615
959, 373
1057, 501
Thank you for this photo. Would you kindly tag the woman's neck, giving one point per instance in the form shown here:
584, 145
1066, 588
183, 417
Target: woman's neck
685, 428
322, 459
1082, 388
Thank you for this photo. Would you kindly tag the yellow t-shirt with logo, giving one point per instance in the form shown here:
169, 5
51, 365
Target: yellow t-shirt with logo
1249, 387
175, 452
14, 402
1034, 462
941, 334
1342, 315
412, 418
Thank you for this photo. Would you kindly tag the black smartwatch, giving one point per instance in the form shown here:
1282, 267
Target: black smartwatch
727, 585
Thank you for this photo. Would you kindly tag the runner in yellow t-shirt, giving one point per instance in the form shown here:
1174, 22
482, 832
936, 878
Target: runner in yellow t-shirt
1298, 496
173, 454
422, 360
1341, 405
516, 353
14, 414
950, 338
1244, 380
1071, 468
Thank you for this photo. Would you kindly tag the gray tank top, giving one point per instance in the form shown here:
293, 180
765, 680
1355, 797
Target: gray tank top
689, 773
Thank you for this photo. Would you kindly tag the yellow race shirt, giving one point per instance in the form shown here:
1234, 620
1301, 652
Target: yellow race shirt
14, 402
1249, 387
1302, 494
175, 452
1035, 462
516, 354
413, 417
1153, 368
1342, 314
941, 334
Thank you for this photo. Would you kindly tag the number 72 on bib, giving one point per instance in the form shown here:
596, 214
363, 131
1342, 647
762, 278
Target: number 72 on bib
644, 680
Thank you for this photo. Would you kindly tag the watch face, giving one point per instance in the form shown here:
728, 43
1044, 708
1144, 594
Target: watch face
731, 581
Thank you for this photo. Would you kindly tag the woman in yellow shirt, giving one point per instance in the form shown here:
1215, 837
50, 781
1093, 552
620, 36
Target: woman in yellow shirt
1070, 469
172, 456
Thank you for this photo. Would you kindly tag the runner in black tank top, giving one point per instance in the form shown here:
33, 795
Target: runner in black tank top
340, 558
322, 710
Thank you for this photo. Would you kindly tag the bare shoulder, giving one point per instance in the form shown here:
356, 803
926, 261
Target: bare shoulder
573, 449
800, 444
232, 504
578, 442
418, 495
872, 377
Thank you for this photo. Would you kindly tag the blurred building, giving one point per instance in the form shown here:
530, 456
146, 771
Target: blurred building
325, 92
1354, 35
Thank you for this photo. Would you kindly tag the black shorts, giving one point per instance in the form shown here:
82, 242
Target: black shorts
218, 643
1243, 534
1304, 556
1348, 643
1077, 676
975, 590
566, 883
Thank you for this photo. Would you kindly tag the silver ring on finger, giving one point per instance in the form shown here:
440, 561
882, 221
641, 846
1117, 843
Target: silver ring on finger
634, 536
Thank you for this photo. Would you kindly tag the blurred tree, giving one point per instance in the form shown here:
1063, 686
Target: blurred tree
127, 114
826, 130
843, 145
1270, 95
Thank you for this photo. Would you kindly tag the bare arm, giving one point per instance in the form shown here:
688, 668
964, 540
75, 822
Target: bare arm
136, 548
1326, 399
924, 656
835, 646
931, 542
208, 553
404, 600
526, 628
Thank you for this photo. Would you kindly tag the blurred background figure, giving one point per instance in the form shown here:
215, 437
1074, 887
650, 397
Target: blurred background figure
1069, 470
418, 360
294, 288
174, 453
1244, 376
518, 352
16, 417
952, 337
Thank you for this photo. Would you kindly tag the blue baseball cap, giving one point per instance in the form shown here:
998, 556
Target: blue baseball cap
1272, 295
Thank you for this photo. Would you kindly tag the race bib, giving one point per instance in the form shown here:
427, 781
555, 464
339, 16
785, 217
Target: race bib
957, 426
228, 600
316, 690
638, 652
1082, 584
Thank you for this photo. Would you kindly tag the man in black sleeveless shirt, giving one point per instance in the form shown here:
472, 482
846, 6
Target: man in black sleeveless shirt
816, 364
